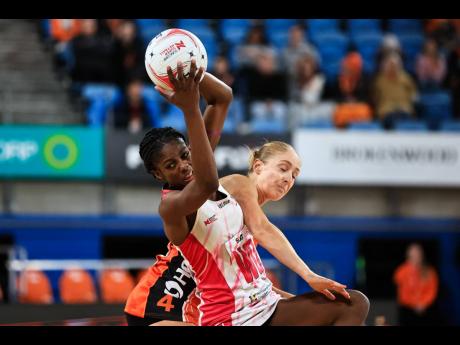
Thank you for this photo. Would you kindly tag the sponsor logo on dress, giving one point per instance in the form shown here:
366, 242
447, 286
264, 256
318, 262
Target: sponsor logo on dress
224, 203
210, 220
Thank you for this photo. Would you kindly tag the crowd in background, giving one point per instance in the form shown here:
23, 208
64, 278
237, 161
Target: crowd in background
291, 79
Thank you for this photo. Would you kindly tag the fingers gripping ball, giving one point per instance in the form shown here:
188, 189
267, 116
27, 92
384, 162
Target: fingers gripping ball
169, 47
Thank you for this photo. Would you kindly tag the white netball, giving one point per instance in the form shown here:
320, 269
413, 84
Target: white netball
169, 47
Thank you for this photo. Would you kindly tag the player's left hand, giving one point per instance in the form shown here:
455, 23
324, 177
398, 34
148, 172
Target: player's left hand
325, 286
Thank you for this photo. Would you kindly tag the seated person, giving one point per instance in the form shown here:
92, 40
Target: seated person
132, 113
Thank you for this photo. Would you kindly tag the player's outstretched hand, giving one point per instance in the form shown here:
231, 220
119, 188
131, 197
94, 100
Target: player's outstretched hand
325, 286
186, 94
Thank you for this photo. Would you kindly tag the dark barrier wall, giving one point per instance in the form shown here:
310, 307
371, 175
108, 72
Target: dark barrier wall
331, 246
123, 163
38, 315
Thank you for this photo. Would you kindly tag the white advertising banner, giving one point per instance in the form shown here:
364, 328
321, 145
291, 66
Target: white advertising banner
371, 158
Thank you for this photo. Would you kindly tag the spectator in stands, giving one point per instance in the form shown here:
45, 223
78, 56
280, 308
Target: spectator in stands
430, 66
256, 41
390, 44
393, 92
128, 54
93, 55
353, 92
109, 27
352, 82
221, 69
132, 112
267, 88
453, 76
62, 32
417, 288
305, 103
442, 31
296, 49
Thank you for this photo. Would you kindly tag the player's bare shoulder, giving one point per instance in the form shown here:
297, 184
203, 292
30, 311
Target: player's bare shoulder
237, 184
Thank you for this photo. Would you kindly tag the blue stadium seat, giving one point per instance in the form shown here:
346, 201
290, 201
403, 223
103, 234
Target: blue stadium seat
368, 45
412, 45
101, 98
449, 126
153, 103
332, 47
322, 26
436, 107
147, 31
235, 116
46, 28
365, 126
331, 69
173, 118
268, 126
279, 38
108, 92
411, 125
405, 26
335, 40
279, 24
234, 30
96, 113
141, 23
361, 26
190, 24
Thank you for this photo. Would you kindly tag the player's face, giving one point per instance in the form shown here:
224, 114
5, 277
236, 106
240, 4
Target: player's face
174, 164
277, 175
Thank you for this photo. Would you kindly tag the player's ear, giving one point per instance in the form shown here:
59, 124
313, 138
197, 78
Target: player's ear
257, 166
156, 173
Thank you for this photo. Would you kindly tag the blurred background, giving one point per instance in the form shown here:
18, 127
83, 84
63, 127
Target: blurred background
371, 106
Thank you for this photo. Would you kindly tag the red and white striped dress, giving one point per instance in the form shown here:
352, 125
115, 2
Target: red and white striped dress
232, 287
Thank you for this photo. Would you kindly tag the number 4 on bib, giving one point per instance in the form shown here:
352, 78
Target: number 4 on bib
166, 302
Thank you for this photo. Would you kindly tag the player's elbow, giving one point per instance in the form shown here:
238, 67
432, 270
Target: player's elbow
226, 96
223, 96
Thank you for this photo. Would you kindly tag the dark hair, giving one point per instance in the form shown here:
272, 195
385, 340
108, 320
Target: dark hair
153, 142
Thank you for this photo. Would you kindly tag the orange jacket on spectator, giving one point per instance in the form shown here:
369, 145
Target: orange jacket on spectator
416, 289
64, 30
345, 113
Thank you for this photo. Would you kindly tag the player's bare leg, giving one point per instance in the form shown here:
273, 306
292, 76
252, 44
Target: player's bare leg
314, 309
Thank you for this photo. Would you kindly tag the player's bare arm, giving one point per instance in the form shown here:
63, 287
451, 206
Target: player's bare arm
218, 97
271, 238
182, 203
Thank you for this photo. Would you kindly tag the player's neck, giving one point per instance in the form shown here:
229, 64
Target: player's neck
261, 198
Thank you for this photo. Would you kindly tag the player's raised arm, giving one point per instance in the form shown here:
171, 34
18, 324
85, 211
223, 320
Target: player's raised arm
218, 96
205, 179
